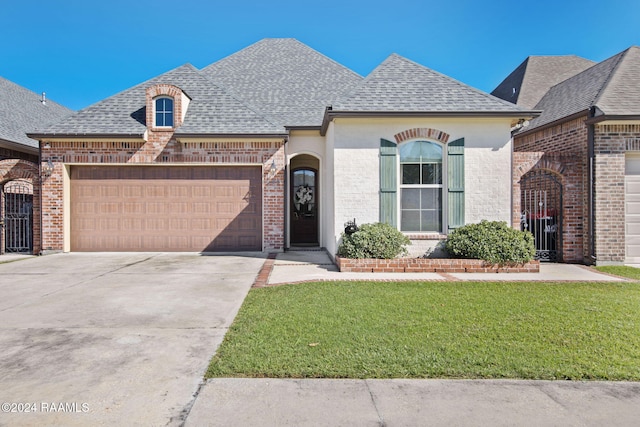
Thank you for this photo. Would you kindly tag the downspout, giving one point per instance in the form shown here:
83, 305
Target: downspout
591, 180
40, 183
285, 189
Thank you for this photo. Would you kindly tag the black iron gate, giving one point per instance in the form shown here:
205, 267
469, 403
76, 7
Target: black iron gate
18, 216
541, 203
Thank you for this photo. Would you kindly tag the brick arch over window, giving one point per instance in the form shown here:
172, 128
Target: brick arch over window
170, 91
13, 169
415, 133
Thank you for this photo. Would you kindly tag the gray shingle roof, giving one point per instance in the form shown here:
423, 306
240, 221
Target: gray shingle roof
284, 79
528, 83
401, 85
612, 86
21, 111
621, 95
211, 110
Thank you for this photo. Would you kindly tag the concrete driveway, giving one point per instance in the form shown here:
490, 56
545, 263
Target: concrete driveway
113, 339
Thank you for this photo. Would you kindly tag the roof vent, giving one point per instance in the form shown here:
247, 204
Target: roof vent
44, 98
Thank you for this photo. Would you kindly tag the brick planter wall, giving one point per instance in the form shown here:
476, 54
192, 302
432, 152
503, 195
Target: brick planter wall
431, 265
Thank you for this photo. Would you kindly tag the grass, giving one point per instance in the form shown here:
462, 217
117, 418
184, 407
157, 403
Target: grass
578, 331
621, 270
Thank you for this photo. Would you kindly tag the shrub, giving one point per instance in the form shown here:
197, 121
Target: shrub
377, 240
492, 241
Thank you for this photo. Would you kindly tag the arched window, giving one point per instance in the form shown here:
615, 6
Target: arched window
421, 186
164, 112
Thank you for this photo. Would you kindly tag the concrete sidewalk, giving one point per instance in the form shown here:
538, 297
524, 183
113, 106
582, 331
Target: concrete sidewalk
302, 266
327, 402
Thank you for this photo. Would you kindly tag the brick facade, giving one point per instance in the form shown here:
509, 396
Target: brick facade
610, 145
13, 169
161, 148
561, 150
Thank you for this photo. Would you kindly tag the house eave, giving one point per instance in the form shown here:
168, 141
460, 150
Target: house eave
185, 136
16, 146
613, 118
570, 117
58, 136
332, 114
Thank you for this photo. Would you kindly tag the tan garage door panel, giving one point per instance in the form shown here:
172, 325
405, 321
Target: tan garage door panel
144, 208
632, 218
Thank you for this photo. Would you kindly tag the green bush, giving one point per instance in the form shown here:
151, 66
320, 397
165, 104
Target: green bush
492, 241
377, 240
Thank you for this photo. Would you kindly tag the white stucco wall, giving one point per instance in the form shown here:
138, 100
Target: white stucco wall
356, 183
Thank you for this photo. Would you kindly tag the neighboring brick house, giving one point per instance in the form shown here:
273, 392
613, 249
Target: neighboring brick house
276, 146
21, 111
583, 151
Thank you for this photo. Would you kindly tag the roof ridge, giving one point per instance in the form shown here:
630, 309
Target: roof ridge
607, 82
463, 85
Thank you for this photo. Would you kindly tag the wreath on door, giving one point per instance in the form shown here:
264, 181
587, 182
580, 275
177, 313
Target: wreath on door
302, 196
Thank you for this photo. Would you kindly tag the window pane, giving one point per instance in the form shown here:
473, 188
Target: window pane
168, 119
411, 174
410, 152
431, 152
431, 173
410, 221
159, 119
431, 198
410, 198
431, 221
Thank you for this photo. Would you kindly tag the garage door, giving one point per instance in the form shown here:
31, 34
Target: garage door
632, 209
184, 209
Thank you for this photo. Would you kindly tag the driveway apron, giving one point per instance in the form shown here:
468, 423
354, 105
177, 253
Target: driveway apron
107, 339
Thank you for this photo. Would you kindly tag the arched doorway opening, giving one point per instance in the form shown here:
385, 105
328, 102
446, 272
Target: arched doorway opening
17, 216
304, 201
541, 204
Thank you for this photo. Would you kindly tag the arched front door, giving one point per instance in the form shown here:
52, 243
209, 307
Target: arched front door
304, 206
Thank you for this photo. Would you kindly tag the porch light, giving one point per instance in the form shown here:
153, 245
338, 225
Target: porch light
47, 169
272, 170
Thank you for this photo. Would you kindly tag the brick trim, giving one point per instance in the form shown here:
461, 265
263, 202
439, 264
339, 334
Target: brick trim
434, 134
431, 265
163, 90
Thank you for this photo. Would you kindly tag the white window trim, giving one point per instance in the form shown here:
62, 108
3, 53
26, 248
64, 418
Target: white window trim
444, 187
173, 111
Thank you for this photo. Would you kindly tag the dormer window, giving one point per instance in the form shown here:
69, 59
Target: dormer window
164, 112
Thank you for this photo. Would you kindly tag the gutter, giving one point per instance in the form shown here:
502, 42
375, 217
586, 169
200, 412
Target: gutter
41, 136
330, 114
606, 117
230, 135
19, 147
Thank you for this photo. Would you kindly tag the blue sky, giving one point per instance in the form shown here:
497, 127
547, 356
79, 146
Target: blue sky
82, 51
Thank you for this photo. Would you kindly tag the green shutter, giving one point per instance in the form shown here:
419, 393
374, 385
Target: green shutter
455, 164
388, 182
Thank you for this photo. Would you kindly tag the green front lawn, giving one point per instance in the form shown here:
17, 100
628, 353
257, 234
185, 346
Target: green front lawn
621, 270
436, 330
